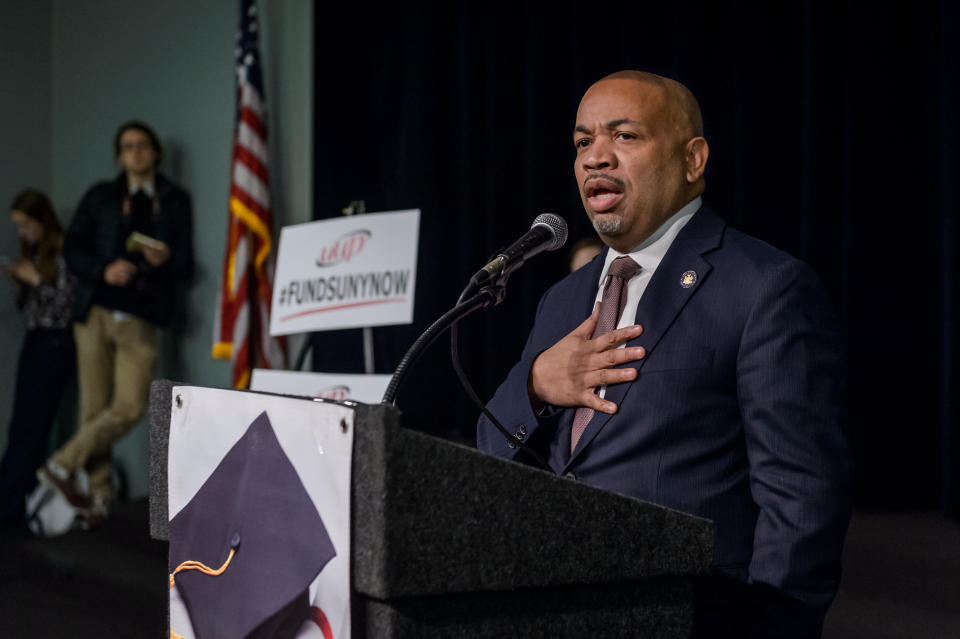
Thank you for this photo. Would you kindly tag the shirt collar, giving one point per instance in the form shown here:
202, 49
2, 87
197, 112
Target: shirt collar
146, 187
649, 254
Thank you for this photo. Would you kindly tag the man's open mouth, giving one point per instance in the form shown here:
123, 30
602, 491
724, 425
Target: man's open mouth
603, 194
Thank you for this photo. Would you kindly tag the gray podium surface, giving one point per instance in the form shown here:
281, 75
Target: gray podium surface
448, 542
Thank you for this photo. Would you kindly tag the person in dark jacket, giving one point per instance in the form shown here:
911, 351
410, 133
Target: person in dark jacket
130, 246
726, 400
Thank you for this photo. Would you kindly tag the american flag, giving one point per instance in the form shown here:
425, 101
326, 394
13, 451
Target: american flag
242, 324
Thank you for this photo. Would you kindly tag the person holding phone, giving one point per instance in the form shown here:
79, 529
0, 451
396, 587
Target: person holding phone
44, 291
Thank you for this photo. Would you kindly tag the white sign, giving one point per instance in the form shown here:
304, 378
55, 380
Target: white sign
368, 389
346, 272
209, 429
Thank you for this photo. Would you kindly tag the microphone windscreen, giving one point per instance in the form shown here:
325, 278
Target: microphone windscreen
557, 225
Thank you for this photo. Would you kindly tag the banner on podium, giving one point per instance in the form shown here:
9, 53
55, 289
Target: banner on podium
259, 507
346, 272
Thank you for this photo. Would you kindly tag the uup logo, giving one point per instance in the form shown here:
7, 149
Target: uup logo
343, 248
339, 392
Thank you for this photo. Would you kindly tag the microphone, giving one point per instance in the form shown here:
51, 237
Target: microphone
548, 233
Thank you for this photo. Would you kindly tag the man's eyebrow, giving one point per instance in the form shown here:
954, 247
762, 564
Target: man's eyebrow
612, 124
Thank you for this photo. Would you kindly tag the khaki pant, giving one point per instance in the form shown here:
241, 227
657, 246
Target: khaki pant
115, 358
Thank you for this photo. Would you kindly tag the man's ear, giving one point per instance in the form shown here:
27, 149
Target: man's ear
695, 155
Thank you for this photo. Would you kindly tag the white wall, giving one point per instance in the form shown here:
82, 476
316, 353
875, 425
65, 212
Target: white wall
171, 64
25, 160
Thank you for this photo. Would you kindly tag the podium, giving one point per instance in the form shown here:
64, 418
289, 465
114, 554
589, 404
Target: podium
449, 542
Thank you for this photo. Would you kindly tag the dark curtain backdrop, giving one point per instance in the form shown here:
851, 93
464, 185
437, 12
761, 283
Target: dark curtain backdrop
833, 135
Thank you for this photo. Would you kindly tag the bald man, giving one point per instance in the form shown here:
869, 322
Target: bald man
716, 390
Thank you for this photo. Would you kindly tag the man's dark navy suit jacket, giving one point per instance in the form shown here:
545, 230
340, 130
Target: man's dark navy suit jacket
735, 414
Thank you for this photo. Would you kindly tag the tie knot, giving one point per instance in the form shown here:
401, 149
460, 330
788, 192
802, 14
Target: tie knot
624, 267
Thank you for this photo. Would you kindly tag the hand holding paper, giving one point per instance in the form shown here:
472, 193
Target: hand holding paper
154, 251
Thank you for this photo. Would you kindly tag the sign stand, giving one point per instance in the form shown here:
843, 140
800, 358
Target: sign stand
358, 207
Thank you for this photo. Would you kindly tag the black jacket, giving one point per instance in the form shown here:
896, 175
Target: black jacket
93, 241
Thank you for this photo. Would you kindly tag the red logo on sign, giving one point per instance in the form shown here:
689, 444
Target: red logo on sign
337, 393
345, 247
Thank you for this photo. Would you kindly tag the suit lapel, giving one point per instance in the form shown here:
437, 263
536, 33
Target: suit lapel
586, 293
668, 292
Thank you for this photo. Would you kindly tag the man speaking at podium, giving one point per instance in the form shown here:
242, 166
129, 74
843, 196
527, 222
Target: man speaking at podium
691, 366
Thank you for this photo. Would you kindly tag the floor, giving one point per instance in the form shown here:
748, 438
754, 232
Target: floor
107, 582
901, 579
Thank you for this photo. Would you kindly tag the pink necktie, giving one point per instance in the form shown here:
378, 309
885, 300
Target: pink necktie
611, 308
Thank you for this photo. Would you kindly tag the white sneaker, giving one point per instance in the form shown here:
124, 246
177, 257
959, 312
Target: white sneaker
48, 512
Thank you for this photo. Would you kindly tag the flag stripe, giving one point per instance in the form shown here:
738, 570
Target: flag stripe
253, 163
251, 117
253, 142
247, 200
251, 183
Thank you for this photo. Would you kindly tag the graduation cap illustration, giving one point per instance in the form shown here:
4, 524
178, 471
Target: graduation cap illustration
245, 549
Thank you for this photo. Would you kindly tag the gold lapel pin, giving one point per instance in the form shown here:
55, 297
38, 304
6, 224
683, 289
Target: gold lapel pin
688, 279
